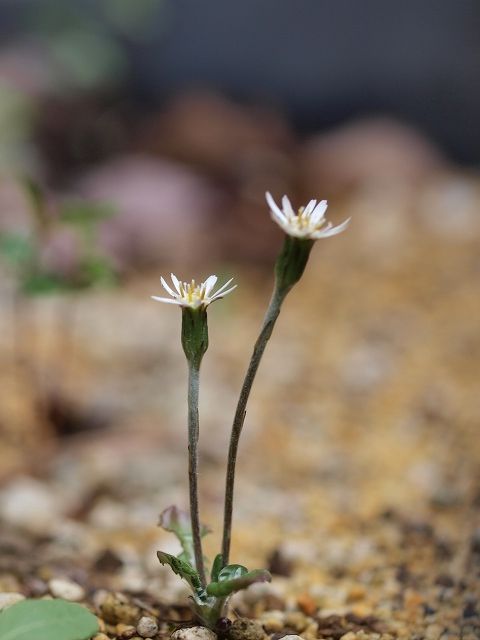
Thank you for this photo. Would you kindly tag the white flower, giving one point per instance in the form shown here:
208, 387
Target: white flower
190, 294
307, 222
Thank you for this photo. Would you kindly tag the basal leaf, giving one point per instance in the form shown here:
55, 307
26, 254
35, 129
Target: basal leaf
216, 567
47, 620
178, 522
226, 587
232, 571
183, 569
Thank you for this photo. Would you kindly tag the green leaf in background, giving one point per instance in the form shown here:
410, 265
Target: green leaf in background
40, 284
84, 213
97, 271
37, 199
47, 620
16, 249
226, 586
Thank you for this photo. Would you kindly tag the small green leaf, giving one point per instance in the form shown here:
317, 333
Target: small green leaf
232, 571
216, 567
183, 569
39, 284
226, 587
47, 620
178, 522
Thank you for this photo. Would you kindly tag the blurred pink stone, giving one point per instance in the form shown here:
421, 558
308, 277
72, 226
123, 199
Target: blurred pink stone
61, 252
366, 152
26, 67
161, 209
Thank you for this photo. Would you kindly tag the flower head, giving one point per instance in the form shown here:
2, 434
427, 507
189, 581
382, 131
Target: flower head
192, 295
308, 222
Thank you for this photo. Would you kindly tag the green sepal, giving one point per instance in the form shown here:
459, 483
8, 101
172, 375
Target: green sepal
225, 587
291, 262
194, 334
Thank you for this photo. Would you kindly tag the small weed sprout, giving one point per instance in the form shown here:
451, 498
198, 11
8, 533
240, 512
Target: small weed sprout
210, 597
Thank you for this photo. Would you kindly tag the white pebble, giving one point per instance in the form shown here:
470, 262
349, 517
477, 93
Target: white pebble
29, 504
147, 627
9, 599
194, 633
66, 589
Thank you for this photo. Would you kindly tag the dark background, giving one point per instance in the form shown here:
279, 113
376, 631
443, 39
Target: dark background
323, 63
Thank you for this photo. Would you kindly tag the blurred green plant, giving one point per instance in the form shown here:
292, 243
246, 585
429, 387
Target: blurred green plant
23, 252
47, 620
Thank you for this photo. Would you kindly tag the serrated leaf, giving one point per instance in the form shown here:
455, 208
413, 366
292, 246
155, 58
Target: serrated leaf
226, 587
178, 522
47, 620
183, 569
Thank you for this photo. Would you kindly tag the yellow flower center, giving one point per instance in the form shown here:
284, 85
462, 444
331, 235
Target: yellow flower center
192, 292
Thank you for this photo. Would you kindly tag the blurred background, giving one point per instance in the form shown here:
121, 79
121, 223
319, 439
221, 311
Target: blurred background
139, 138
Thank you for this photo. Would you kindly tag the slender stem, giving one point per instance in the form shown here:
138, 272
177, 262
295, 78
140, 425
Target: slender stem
193, 434
265, 333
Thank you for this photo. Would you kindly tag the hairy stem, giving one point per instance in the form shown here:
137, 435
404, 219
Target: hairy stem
193, 434
239, 418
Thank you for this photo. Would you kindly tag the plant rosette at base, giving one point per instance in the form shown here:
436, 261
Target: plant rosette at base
209, 603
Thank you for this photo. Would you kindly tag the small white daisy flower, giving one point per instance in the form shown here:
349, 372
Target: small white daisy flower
190, 294
308, 222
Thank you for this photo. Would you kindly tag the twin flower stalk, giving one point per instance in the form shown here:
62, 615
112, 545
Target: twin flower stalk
209, 598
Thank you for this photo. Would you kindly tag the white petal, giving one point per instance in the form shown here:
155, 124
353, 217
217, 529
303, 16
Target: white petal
176, 283
222, 295
287, 207
167, 288
209, 284
223, 287
274, 208
319, 212
310, 207
168, 300
332, 232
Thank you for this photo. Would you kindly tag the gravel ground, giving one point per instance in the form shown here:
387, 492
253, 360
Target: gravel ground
358, 482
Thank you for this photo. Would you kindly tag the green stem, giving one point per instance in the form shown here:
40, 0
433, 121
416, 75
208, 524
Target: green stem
265, 333
193, 434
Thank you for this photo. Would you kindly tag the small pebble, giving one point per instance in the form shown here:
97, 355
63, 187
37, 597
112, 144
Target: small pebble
147, 627
116, 608
296, 620
125, 631
66, 589
9, 599
273, 621
194, 633
101, 636
246, 629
